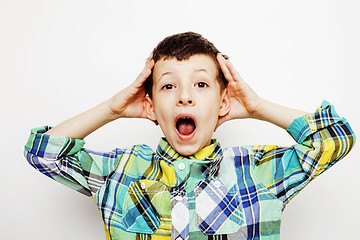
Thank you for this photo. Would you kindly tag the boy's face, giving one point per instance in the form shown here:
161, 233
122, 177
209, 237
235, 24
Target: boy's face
187, 102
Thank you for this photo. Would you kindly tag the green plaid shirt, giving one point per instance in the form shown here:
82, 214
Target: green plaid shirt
218, 193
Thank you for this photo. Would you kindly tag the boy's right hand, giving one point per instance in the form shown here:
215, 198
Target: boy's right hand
129, 103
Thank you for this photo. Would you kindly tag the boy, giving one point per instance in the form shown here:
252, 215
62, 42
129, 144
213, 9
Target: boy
191, 187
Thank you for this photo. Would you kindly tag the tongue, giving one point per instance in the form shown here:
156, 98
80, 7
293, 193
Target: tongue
186, 127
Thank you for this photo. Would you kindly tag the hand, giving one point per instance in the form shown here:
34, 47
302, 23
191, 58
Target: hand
129, 103
244, 102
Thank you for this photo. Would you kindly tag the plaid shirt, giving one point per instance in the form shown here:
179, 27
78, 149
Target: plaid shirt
218, 193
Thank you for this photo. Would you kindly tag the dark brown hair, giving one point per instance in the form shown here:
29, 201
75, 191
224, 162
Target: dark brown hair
182, 46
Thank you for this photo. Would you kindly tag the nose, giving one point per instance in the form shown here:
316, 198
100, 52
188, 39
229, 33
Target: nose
188, 101
185, 98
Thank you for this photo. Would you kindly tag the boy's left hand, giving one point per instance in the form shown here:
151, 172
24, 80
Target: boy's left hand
244, 102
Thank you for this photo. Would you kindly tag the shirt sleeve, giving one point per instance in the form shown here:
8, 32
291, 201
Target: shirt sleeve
65, 160
323, 138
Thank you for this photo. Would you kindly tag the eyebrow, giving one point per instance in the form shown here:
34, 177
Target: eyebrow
197, 70
201, 70
164, 74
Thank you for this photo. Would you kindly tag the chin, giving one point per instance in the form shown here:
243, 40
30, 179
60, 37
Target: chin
186, 152
189, 148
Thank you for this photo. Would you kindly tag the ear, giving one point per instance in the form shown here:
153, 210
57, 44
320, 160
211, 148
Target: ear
149, 109
225, 104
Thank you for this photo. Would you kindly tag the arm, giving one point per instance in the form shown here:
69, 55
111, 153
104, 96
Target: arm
128, 103
59, 154
245, 103
276, 114
322, 138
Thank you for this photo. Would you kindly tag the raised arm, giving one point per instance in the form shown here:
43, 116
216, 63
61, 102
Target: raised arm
128, 103
323, 138
245, 103
59, 154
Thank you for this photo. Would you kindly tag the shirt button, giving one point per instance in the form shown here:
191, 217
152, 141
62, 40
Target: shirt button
181, 166
178, 198
143, 185
217, 184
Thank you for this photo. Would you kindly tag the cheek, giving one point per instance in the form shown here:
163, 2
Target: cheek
212, 103
213, 112
210, 114
162, 113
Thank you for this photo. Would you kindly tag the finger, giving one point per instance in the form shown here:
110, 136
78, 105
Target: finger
145, 73
151, 56
147, 68
224, 67
235, 75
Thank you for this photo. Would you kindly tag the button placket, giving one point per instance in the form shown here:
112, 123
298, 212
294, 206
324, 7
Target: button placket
178, 198
180, 203
217, 184
180, 216
182, 168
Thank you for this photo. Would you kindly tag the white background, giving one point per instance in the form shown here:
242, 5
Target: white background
59, 58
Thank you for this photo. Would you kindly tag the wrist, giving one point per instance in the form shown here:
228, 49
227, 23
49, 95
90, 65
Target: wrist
111, 113
258, 113
276, 114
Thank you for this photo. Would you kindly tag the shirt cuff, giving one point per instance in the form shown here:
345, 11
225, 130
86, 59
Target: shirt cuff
304, 126
52, 147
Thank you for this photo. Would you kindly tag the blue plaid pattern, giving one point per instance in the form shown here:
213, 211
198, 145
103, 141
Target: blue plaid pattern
231, 193
220, 205
180, 219
141, 204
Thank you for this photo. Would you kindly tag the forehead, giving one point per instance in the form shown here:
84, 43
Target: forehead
195, 64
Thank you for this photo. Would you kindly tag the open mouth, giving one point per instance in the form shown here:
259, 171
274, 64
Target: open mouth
185, 125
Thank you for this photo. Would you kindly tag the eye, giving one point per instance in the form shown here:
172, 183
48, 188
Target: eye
168, 87
201, 85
